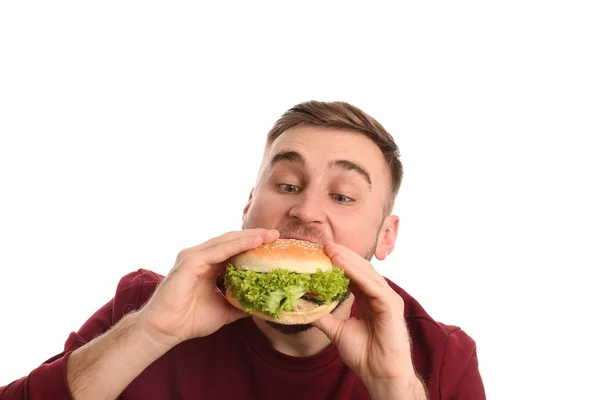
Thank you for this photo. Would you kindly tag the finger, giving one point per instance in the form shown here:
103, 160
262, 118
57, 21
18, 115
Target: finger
234, 313
210, 263
220, 253
269, 235
226, 237
360, 271
331, 327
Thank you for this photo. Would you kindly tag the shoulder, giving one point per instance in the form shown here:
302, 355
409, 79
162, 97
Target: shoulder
435, 342
139, 278
133, 290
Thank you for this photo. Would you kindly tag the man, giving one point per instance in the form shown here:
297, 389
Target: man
330, 174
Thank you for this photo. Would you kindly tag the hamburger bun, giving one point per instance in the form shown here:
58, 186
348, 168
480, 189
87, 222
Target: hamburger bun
305, 312
296, 256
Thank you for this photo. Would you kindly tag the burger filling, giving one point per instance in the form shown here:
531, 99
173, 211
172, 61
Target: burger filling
280, 290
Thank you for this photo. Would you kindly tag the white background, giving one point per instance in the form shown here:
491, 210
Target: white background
130, 130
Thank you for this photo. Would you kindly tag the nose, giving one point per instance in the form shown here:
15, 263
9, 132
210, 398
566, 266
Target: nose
308, 208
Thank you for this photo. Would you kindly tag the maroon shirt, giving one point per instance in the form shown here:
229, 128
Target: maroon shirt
237, 362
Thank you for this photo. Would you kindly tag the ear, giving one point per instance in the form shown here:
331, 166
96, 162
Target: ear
248, 203
386, 240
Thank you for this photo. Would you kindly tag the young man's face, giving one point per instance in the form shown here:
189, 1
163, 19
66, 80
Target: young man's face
321, 184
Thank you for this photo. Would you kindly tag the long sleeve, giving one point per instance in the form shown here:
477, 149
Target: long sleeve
49, 380
460, 378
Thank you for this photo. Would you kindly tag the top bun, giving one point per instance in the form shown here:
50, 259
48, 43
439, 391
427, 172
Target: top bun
291, 254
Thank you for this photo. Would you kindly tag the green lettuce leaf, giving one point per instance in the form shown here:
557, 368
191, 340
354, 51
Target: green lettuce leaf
278, 290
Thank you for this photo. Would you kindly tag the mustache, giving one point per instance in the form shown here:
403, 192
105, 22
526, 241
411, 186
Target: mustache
295, 228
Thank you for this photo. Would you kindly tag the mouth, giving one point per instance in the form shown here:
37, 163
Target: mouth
304, 238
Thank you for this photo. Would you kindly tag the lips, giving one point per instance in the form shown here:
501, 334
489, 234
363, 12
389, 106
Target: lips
305, 238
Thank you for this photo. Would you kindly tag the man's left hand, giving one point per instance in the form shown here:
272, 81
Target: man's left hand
376, 345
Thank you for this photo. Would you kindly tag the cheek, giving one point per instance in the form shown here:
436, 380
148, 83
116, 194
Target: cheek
356, 230
353, 219
265, 212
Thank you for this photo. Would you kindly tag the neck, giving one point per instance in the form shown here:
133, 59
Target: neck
302, 344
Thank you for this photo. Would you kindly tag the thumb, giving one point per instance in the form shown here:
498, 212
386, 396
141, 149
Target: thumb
235, 314
331, 327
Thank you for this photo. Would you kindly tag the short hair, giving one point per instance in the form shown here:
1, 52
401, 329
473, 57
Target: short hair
342, 115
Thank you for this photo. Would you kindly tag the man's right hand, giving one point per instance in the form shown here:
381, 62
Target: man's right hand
187, 303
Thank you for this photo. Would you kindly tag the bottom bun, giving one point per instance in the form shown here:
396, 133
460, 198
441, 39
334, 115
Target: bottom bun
288, 317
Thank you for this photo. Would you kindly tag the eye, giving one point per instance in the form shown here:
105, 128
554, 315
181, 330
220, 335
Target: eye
287, 188
340, 198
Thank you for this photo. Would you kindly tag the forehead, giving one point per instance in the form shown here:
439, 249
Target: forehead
319, 146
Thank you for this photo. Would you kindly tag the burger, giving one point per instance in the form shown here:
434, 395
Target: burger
288, 282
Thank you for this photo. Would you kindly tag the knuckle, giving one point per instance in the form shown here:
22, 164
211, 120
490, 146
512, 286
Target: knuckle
183, 254
401, 304
382, 305
194, 259
233, 235
380, 282
195, 263
397, 303
228, 234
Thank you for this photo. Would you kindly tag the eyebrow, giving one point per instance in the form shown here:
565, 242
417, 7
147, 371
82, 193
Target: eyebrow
289, 156
296, 158
352, 167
